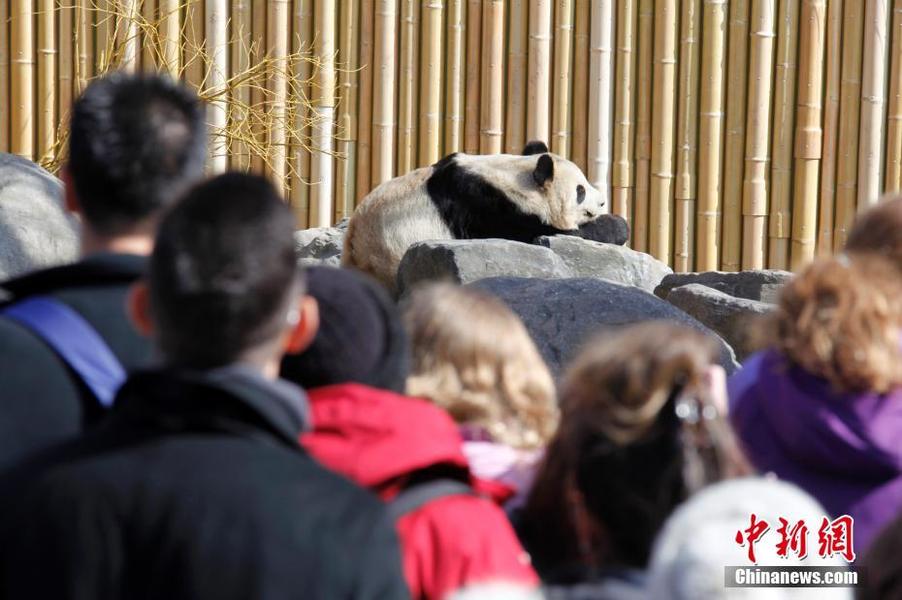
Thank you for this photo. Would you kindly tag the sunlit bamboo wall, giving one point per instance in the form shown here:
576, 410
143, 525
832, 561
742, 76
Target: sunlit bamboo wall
732, 134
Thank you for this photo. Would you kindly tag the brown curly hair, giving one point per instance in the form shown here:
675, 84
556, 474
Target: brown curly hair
879, 230
840, 319
473, 357
640, 431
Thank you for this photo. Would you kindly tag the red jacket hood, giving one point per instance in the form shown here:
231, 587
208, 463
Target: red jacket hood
374, 436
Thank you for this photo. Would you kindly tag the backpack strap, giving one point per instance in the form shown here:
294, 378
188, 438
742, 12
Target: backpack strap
420, 494
74, 340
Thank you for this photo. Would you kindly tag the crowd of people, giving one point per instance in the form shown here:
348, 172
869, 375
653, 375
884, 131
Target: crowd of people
185, 413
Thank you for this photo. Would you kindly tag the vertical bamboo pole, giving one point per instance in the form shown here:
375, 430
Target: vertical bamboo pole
662, 129
84, 16
348, 42
129, 35
277, 29
170, 29
850, 102
148, 10
454, 85
47, 77
710, 133
780, 214
873, 97
687, 137
893, 179
754, 199
517, 65
431, 84
561, 113
193, 39
812, 34
492, 130
300, 179
407, 87
621, 172
102, 34
217, 73
600, 113
260, 49
734, 139
538, 92
365, 102
644, 92
4, 77
321, 163
240, 36
66, 63
827, 200
474, 77
22, 78
384, 91
580, 119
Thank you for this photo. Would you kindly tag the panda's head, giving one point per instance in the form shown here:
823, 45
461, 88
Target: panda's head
569, 197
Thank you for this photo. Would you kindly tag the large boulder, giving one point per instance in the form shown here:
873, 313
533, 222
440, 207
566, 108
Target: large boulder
321, 245
35, 230
563, 314
731, 317
465, 261
607, 261
763, 286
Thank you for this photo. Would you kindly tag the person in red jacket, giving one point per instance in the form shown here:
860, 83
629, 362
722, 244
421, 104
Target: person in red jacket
406, 450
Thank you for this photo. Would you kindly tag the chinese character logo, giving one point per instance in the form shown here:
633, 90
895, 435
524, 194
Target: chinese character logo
834, 538
751, 535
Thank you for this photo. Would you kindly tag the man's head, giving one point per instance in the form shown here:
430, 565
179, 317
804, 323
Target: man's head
137, 142
223, 285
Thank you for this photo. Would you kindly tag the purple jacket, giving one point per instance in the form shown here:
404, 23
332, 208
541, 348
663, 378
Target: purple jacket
843, 449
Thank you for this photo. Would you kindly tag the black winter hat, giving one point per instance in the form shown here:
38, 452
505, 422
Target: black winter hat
361, 338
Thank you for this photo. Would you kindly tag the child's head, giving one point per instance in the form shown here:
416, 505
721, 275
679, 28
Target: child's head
473, 357
641, 429
840, 319
879, 230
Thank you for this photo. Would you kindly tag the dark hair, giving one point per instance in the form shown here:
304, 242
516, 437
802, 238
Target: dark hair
882, 565
223, 272
639, 433
136, 143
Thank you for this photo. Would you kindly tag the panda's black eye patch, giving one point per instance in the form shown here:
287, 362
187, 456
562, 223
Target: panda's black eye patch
580, 194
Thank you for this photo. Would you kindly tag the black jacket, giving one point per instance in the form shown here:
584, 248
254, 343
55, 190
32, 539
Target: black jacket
195, 487
41, 400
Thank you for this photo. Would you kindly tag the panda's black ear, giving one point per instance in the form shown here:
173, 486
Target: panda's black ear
534, 147
544, 171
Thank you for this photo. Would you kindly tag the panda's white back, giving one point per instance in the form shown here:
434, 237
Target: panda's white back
395, 215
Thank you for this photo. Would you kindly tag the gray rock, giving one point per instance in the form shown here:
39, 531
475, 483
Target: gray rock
763, 286
35, 230
319, 246
561, 315
607, 261
731, 317
465, 261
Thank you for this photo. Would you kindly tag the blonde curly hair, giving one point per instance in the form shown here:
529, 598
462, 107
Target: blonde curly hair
840, 319
473, 357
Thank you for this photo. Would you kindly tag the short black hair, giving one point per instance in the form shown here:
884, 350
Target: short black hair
136, 143
223, 272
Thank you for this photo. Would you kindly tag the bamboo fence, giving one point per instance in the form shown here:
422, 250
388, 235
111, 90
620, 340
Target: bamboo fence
731, 134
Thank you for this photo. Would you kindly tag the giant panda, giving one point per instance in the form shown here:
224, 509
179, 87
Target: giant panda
465, 196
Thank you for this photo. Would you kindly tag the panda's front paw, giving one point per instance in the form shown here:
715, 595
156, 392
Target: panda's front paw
610, 229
